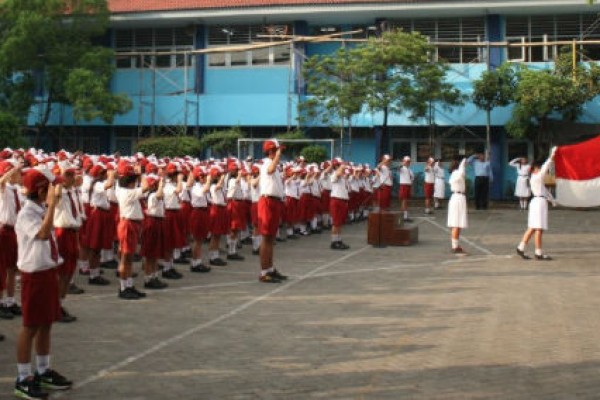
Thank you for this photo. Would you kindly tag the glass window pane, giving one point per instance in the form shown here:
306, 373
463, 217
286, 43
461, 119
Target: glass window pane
216, 60
281, 54
401, 149
450, 150
260, 56
424, 151
239, 58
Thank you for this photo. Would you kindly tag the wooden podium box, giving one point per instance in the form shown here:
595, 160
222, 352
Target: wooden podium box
387, 228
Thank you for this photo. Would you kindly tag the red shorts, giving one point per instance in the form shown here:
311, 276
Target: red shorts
254, 215
405, 192
385, 196
219, 222
338, 209
129, 233
428, 190
174, 236
236, 211
305, 206
269, 213
40, 301
114, 211
68, 247
153, 243
353, 201
8, 250
99, 229
199, 223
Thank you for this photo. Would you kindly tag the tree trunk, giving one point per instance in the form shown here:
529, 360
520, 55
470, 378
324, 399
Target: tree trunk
385, 140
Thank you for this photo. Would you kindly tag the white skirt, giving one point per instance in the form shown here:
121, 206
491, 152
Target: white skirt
522, 187
538, 213
439, 189
457, 211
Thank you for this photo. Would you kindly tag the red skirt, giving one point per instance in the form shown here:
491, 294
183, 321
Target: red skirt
385, 196
219, 222
174, 236
83, 237
185, 212
428, 190
292, 215
153, 241
315, 205
114, 211
339, 211
325, 198
353, 201
129, 233
236, 211
8, 250
40, 300
254, 214
99, 227
67, 241
269, 214
199, 223
405, 192
305, 205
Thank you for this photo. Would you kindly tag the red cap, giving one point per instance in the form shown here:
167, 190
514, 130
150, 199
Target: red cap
125, 169
36, 179
171, 168
151, 168
269, 145
96, 170
5, 166
198, 171
152, 179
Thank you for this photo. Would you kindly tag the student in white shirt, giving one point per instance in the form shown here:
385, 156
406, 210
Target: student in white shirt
522, 190
457, 205
37, 260
199, 187
429, 184
339, 205
406, 178
153, 232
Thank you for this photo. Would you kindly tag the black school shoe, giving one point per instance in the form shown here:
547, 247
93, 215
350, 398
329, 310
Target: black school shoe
268, 279
155, 283
29, 389
128, 294
218, 262
53, 380
5, 313
66, 317
200, 268
112, 264
98, 281
181, 260
339, 245
523, 255
171, 274
278, 275
74, 289
235, 257
15, 309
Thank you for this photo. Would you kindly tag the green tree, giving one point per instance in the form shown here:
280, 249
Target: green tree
10, 131
52, 44
495, 88
170, 146
314, 153
336, 90
292, 148
223, 142
542, 95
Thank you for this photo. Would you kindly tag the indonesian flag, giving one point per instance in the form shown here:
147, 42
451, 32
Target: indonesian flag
578, 174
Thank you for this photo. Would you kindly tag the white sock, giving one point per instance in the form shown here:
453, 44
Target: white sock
83, 265
290, 231
43, 363
454, 243
521, 246
123, 283
436, 204
264, 272
94, 273
213, 254
405, 214
538, 252
313, 223
255, 242
24, 371
148, 278
9, 301
176, 253
129, 282
232, 243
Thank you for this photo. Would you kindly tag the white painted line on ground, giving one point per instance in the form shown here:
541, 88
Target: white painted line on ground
129, 360
463, 238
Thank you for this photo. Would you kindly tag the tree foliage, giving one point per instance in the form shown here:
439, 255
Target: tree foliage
315, 153
495, 88
170, 146
541, 95
223, 142
52, 45
292, 148
10, 131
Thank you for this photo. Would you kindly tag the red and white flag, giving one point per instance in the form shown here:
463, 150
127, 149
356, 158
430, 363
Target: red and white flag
577, 170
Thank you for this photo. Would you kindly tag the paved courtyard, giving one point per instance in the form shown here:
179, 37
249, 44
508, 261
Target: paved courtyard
393, 323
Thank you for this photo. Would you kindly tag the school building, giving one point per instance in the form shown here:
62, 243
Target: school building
259, 90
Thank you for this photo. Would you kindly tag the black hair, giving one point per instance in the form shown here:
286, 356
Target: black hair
537, 163
33, 196
125, 181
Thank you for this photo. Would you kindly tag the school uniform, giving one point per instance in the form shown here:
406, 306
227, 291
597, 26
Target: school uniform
10, 205
385, 189
428, 182
130, 225
269, 204
457, 205
185, 212
100, 225
235, 205
325, 181
219, 221
153, 232
439, 191
406, 178
338, 208
199, 219
538, 207
37, 262
292, 199
174, 237
67, 222
522, 189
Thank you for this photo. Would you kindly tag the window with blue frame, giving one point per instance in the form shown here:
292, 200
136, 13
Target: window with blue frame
222, 36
